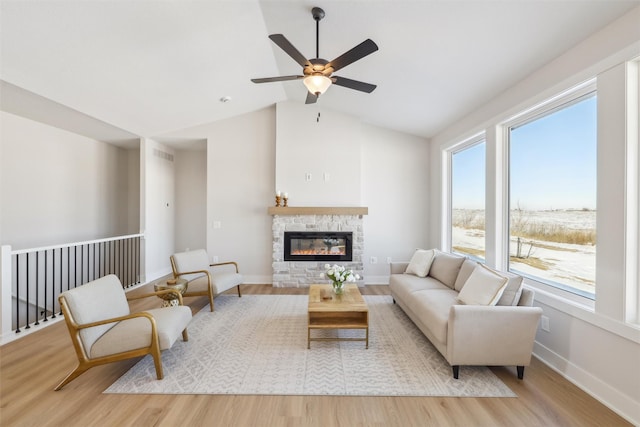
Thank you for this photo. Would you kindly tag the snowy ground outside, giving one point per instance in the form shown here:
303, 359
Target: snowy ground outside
568, 264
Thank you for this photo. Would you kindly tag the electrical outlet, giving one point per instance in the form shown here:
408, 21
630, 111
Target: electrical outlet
373, 260
326, 176
388, 260
544, 324
307, 176
217, 224
215, 259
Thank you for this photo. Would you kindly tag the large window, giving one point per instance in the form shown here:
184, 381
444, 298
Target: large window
468, 200
552, 195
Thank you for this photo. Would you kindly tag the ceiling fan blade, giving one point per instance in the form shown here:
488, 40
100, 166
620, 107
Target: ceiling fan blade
363, 49
285, 45
276, 79
353, 84
311, 98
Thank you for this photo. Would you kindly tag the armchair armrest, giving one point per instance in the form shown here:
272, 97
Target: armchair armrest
491, 335
183, 273
218, 264
206, 272
117, 319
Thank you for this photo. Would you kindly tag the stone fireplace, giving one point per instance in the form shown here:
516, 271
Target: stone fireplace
314, 225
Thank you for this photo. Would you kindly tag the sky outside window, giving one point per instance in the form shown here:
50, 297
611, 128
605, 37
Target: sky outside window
553, 160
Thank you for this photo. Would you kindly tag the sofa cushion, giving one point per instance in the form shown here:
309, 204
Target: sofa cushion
465, 271
484, 287
403, 285
432, 306
420, 262
445, 268
513, 291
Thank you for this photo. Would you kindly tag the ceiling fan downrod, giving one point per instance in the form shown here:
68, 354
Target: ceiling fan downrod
317, 14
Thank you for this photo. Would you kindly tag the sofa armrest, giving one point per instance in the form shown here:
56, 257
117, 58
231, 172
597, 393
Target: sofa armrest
491, 335
398, 267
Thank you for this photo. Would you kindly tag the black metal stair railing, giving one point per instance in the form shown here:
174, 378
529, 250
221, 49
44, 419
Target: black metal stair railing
39, 276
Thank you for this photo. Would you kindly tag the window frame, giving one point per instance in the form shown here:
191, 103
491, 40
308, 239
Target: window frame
463, 145
632, 208
554, 104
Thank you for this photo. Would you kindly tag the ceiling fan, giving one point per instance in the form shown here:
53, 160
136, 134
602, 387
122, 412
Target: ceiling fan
317, 72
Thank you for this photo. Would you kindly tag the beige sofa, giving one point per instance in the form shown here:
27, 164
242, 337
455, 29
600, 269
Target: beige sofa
468, 334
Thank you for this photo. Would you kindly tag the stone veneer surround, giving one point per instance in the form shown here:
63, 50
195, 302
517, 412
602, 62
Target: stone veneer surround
301, 274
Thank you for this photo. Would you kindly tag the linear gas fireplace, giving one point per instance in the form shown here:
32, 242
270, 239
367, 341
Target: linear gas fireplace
318, 246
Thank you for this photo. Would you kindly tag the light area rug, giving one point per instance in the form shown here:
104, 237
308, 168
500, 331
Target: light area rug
257, 344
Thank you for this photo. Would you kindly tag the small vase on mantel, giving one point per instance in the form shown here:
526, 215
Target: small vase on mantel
338, 288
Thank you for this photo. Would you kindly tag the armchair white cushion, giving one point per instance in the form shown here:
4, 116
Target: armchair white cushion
203, 278
103, 329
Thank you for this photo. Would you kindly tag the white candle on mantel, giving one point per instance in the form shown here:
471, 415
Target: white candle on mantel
286, 195
278, 193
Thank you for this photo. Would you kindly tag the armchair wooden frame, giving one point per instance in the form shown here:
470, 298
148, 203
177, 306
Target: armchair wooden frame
209, 291
85, 362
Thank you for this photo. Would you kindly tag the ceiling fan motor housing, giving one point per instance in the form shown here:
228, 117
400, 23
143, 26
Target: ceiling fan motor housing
317, 13
318, 67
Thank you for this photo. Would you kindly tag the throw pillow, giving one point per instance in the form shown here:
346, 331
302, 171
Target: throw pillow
483, 287
513, 290
465, 271
420, 262
445, 268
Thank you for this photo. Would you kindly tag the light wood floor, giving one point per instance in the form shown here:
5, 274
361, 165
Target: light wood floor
31, 367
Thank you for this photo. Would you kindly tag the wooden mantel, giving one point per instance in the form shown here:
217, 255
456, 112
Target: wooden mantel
320, 210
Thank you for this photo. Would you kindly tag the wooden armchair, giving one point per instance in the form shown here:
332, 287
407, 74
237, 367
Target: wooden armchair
205, 279
103, 330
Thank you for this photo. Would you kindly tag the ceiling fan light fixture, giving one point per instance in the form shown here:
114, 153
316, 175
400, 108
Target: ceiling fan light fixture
317, 72
317, 84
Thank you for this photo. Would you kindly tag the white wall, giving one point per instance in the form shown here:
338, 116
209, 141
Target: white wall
383, 170
395, 188
59, 187
133, 191
191, 194
593, 348
330, 146
240, 176
157, 216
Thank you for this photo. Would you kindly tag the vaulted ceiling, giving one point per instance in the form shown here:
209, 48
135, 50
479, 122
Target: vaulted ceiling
119, 69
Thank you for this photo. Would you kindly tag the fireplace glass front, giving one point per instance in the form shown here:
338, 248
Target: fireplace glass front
318, 246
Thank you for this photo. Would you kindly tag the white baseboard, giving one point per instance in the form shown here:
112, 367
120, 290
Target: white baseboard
257, 279
618, 402
376, 280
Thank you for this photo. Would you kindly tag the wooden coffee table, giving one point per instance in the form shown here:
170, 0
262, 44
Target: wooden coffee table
330, 311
